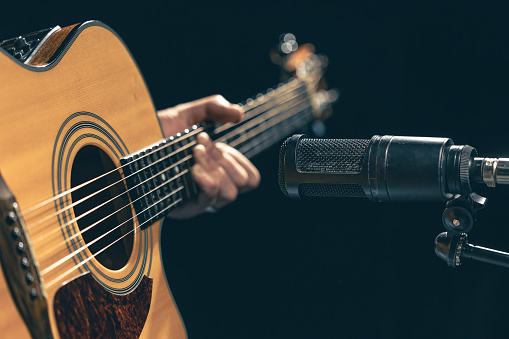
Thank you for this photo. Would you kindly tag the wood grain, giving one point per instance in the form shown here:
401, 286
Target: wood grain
51, 46
98, 75
86, 310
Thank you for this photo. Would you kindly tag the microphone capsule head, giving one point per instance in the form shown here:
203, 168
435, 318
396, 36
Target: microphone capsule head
323, 167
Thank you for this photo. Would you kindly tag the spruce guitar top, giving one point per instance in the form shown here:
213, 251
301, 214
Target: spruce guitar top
86, 176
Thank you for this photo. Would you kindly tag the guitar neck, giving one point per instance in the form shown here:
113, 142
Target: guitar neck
159, 177
268, 119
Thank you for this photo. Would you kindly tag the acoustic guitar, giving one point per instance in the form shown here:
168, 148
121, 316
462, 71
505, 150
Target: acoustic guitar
86, 177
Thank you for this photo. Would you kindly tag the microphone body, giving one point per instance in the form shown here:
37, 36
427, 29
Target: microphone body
383, 168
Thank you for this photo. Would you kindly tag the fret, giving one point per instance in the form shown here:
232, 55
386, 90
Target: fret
290, 107
271, 101
190, 183
179, 168
268, 138
154, 186
171, 172
286, 112
158, 176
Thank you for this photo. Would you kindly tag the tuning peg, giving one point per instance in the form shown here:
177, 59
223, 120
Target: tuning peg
287, 43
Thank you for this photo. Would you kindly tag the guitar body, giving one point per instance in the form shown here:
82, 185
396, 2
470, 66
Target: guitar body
91, 96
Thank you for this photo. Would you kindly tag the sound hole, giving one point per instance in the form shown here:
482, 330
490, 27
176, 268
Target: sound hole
90, 163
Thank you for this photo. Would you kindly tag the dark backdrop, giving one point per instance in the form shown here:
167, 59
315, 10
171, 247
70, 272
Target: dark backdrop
268, 267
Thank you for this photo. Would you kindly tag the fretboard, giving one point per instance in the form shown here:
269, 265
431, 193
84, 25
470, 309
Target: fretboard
159, 177
268, 119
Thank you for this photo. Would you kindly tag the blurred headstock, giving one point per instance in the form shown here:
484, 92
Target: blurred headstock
302, 62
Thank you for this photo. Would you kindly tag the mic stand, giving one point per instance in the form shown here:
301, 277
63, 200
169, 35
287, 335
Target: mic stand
452, 248
458, 218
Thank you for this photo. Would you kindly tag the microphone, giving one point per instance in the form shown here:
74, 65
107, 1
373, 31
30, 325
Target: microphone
385, 168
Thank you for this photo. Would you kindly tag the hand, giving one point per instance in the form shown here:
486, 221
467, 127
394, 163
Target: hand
220, 171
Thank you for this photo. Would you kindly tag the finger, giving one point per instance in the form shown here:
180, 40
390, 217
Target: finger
229, 173
211, 176
203, 172
170, 122
253, 175
214, 107
217, 194
193, 207
233, 169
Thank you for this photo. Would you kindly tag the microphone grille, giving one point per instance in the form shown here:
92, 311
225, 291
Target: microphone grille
332, 190
331, 155
281, 171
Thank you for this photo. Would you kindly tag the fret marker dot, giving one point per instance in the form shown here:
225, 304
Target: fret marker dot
163, 177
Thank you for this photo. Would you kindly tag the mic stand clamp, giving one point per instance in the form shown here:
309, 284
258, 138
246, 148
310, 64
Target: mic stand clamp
452, 248
458, 218
461, 212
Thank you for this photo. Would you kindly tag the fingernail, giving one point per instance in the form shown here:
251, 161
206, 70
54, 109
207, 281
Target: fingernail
241, 110
197, 171
200, 152
203, 138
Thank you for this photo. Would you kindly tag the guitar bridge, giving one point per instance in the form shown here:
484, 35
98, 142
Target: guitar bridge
20, 267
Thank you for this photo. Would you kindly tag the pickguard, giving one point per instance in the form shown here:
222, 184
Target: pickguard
84, 309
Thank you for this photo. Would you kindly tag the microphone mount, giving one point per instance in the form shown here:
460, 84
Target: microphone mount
461, 212
452, 248
458, 218
399, 168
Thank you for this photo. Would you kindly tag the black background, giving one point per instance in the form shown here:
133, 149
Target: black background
268, 267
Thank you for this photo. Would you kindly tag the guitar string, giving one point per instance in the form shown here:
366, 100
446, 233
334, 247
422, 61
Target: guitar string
60, 277
56, 213
89, 227
40, 222
292, 83
88, 244
288, 128
63, 194
243, 136
134, 228
93, 241
246, 117
169, 181
280, 91
246, 149
273, 123
312, 80
55, 230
